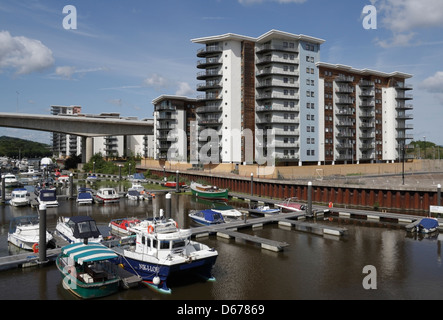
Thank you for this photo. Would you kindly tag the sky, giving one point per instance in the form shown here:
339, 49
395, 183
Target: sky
117, 56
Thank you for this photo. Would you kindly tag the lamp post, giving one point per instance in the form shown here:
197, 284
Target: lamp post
424, 138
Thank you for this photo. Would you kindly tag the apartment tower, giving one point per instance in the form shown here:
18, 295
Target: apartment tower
364, 114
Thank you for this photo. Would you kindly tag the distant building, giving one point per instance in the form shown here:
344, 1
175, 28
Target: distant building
172, 117
64, 145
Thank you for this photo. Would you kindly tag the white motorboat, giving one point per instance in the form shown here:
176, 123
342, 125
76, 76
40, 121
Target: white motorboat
84, 196
10, 180
162, 249
78, 229
47, 197
19, 197
107, 195
24, 232
226, 210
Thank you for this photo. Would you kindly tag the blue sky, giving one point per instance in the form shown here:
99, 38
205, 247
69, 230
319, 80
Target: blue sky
124, 54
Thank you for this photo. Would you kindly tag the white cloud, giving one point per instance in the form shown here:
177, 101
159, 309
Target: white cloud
65, 72
397, 40
405, 17
156, 81
434, 83
184, 89
23, 54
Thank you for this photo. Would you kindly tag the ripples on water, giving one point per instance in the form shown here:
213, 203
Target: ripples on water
311, 267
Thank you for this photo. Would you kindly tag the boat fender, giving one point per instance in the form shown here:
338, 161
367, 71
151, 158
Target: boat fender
150, 229
156, 280
176, 224
35, 248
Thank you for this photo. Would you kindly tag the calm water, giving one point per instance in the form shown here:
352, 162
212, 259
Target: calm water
312, 267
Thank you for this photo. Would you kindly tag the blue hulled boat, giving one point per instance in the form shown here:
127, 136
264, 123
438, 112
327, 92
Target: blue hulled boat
161, 250
207, 217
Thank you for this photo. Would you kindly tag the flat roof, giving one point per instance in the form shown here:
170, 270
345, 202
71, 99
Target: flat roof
265, 37
346, 68
171, 97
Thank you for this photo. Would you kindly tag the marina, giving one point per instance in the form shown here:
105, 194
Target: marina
259, 236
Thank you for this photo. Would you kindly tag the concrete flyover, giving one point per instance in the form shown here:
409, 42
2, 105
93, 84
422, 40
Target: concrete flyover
86, 127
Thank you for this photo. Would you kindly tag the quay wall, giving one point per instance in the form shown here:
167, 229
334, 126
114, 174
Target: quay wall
349, 186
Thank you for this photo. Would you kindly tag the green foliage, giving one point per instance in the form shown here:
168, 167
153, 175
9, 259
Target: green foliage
15, 148
109, 167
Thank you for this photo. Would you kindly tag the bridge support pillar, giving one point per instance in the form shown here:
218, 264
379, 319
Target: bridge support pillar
87, 149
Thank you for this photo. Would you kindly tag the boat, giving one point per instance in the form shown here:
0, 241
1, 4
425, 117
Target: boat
120, 226
137, 186
425, 225
84, 196
91, 178
47, 197
24, 233
134, 195
138, 178
173, 184
88, 270
19, 197
206, 217
226, 210
263, 210
10, 180
63, 178
162, 250
208, 192
107, 195
290, 205
78, 229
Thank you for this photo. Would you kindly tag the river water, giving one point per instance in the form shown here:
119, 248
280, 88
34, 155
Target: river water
311, 267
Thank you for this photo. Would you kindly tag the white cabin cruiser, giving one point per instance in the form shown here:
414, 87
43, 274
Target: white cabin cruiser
162, 249
24, 233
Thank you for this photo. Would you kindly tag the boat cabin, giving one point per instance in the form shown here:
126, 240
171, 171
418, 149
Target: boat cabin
83, 227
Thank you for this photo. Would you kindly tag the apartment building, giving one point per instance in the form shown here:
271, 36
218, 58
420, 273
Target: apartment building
64, 145
172, 119
253, 86
364, 114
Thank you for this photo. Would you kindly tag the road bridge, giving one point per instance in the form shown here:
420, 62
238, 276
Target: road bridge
84, 126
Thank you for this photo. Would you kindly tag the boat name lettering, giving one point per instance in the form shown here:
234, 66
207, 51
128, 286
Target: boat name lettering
149, 268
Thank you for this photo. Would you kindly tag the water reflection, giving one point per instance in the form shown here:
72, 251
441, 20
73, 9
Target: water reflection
311, 267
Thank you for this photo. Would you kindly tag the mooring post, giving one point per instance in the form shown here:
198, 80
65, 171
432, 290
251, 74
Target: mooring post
168, 205
252, 184
439, 194
71, 186
42, 234
3, 189
309, 198
177, 184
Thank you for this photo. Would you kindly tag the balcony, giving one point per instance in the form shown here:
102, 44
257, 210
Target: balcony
403, 86
282, 144
402, 126
208, 62
404, 116
366, 83
403, 96
274, 47
208, 74
276, 71
209, 85
277, 108
344, 146
404, 106
345, 123
343, 78
209, 109
275, 95
276, 119
275, 83
208, 50
367, 93
275, 59
282, 132
344, 100
210, 96
344, 89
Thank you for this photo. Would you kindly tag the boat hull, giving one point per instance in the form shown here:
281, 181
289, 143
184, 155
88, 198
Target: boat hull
213, 195
149, 271
86, 290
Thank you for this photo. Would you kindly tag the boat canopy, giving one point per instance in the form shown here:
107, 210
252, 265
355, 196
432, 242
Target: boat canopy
139, 176
210, 215
84, 196
428, 223
82, 253
47, 195
83, 227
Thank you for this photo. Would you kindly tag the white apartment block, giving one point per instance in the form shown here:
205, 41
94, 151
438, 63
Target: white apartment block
172, 117
259, 84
